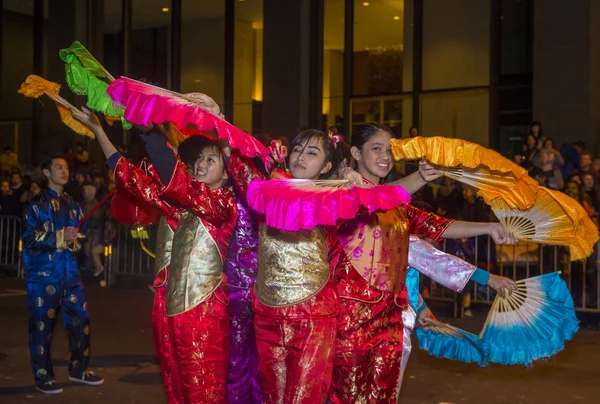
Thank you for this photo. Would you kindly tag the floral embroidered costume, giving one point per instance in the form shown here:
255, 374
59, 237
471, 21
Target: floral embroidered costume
371, 285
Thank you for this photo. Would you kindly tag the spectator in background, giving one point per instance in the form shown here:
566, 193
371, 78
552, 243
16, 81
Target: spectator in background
8, 161
94, 230
18, 188
574, 178
596, 165
538, 174
575, 191
592, 190
570, 154
69, 156
411, 166
449, 195
535, 129
585, 163
550, 161
413, 131
33, 191
100, 184
9, 205
75, 187
473, 209
82, 157
530, 150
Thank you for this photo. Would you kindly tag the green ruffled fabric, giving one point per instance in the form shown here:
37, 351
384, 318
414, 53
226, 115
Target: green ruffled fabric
85, 76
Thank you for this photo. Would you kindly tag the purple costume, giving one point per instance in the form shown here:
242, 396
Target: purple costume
243, 384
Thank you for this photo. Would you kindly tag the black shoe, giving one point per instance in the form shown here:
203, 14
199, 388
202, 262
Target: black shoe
88, 378
49, 387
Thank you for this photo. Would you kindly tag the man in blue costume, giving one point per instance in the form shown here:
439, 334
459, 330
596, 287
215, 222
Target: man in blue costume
54, 284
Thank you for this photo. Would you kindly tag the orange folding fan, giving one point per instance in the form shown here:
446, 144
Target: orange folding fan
492, 174
554, 218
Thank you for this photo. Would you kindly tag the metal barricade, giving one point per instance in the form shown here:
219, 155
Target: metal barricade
522, 261
10, 244
125, 257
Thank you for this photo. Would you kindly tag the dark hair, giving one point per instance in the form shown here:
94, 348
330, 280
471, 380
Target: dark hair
580, 144
536, 123
580, 192
411, 128
17, 172
47, 160
308, 135
536, 172
341, 153
7, 148
586, 153
362, 133
191, 147
571, 178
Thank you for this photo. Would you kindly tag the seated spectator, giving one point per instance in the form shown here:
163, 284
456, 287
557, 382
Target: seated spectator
570, 154
550, 161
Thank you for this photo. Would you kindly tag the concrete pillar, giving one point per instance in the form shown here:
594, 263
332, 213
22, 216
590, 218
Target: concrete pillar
287, 67
566, 64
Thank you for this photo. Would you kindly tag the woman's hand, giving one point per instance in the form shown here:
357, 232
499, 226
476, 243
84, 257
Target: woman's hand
87, 117
502, 285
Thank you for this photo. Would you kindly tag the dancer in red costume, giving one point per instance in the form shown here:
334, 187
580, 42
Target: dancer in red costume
197, 295
295, 325
146, 184
371, 279
295, 299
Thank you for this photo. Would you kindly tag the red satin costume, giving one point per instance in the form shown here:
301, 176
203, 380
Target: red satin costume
371, 284
296, 342
146, 184
295, 336
190, 320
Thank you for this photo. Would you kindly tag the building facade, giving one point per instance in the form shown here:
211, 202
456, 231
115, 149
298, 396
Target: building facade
480, 70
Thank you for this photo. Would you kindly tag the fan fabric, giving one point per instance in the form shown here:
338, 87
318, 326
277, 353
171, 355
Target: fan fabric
35, 86
444, 341
533, 323
555, 218
295, 204
146, 104
86, 76
488, 171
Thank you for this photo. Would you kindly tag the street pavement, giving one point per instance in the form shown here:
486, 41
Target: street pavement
123, 353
